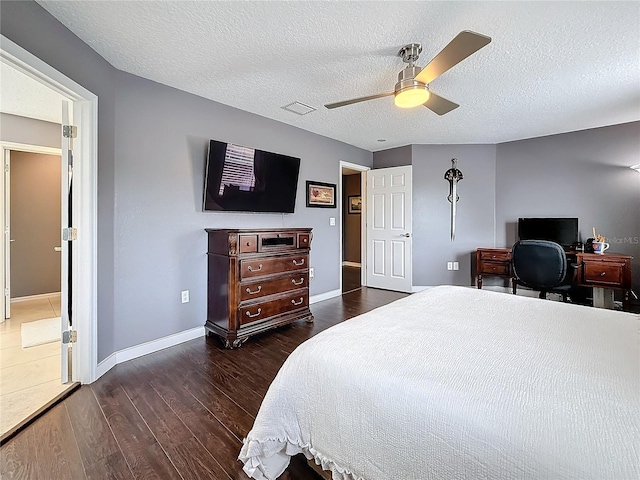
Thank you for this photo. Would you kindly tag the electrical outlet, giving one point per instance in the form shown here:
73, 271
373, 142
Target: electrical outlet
456, 266
449, 265
311, 272
332, 221
185, 296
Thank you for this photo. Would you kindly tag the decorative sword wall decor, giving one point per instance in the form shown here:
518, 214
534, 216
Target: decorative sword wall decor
453, 175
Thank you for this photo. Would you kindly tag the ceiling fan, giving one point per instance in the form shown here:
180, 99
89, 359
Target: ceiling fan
412, 88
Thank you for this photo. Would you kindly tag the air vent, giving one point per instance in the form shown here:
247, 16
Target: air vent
299, 108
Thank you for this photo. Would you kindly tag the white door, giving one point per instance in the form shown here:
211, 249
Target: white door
67, 253
7, 235
389, 228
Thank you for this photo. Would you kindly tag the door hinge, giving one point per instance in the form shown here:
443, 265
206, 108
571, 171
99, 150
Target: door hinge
6, 168
6, 292
70, 336
69, 234
69, 131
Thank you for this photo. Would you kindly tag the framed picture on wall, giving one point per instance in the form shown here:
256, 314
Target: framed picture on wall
355, 204
321, 195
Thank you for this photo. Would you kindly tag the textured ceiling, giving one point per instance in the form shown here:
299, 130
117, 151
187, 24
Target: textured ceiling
552, 66
24, 96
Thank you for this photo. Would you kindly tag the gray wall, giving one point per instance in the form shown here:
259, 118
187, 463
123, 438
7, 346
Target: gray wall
160, 245
582, 174
35, 223
351, 222
152, 144
475, 227
29, 131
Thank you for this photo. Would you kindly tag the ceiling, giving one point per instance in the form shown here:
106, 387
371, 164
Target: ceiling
551, 67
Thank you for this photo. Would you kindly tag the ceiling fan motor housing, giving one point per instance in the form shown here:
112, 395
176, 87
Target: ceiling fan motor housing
406, 79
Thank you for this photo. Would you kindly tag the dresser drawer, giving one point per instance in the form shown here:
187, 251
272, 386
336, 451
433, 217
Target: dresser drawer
248, 243
265, 310
494, 268
249, 291
604, 273
257, 267
304, 240
492, 255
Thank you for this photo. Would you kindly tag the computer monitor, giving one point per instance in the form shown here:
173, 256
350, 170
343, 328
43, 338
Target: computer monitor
560, 230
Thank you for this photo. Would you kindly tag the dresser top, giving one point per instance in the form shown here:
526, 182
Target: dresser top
259, 230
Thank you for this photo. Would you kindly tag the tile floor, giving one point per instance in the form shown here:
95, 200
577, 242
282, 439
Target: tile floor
29, 377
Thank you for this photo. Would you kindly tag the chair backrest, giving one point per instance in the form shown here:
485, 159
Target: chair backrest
539, 264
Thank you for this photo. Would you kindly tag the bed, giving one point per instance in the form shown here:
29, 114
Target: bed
459, 383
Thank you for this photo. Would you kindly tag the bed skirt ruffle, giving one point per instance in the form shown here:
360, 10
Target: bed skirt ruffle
268, 459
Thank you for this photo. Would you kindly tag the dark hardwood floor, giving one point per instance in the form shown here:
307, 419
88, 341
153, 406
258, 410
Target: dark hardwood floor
350, 278
179, 413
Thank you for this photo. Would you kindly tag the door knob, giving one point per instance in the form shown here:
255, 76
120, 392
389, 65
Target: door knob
12, 240
57, 249
407, 235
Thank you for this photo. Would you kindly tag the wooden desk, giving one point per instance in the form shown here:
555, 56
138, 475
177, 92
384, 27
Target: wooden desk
604, 273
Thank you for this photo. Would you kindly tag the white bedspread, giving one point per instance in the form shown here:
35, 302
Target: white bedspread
459, 383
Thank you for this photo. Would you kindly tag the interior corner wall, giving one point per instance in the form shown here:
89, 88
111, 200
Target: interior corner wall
581, 174
475, 222
393, 157
29, 131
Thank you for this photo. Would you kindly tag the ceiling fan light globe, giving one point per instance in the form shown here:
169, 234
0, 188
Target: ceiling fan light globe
412, 96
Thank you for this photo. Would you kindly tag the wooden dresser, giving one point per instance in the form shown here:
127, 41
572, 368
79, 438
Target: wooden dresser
257, 279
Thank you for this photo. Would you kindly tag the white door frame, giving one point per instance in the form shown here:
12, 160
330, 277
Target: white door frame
363, 230
85, 117
6, 148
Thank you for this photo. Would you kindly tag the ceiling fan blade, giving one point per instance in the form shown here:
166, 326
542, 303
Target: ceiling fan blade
439, 105
465, 44
358, 100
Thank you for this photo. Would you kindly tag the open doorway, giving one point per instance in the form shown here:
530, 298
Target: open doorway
37, 294
352, 225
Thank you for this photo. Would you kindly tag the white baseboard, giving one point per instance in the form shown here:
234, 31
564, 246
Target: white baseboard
324, 296
352, 264
40, 296
146, 348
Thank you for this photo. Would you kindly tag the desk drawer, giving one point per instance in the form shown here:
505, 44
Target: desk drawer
604, 273
257, 267
265, 310
492, 255
494, 268
250, 291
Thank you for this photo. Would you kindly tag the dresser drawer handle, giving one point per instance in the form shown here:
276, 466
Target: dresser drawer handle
251, 269
304, 240
248, 244
253, 293
254, 315
297, 283
298, 303
603, 274
298, 264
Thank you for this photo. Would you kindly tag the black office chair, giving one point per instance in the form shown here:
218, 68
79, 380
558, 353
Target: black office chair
540, 265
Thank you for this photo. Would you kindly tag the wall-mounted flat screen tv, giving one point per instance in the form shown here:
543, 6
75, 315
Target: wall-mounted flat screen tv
244, 179
560, 230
